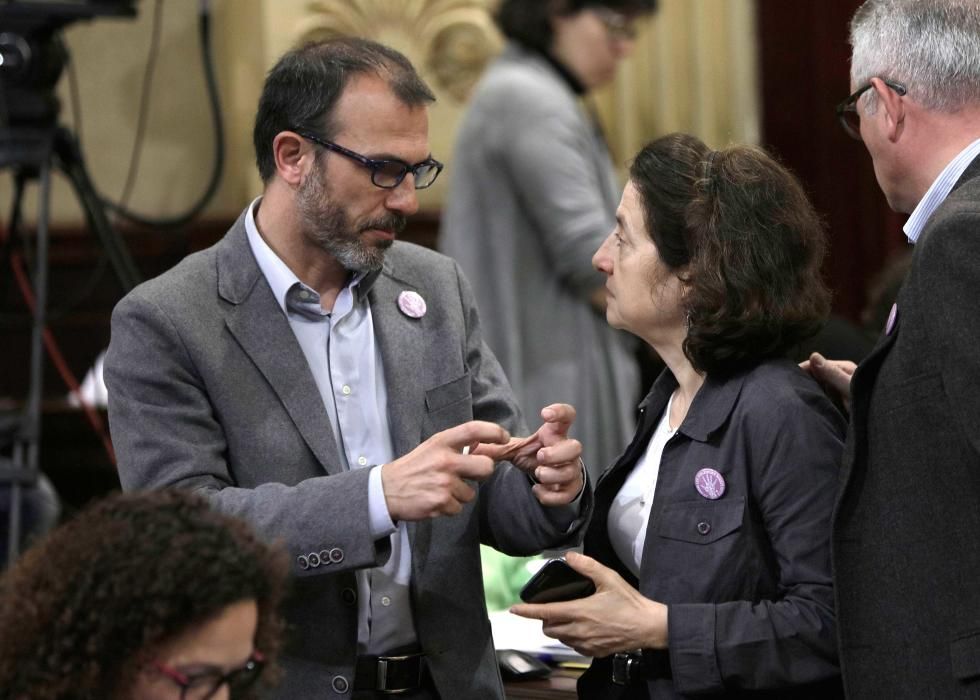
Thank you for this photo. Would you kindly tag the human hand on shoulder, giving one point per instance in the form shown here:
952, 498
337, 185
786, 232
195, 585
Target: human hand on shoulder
431, 479
833, 375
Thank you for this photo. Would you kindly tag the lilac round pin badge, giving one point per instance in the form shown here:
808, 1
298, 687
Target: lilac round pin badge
411, 304
710, 483
892, 317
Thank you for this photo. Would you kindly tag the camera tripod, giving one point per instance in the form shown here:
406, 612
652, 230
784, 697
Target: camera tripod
33, 153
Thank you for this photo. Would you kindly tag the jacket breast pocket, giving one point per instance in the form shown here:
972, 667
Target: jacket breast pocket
911, 391
447, 394
701, 522
965, 656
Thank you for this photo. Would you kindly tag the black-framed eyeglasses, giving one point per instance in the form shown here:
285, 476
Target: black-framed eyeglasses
847, 110
206, 684
620, 26
386, 173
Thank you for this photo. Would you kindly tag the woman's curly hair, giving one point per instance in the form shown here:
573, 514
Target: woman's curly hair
83, 608
739, 231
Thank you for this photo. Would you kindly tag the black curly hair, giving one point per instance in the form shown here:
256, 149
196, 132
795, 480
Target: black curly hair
739, 231
82, 609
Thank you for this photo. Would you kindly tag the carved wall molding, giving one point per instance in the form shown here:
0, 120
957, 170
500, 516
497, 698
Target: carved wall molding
450, 40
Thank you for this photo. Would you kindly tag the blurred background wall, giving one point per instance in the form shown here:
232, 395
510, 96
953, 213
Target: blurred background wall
757, 71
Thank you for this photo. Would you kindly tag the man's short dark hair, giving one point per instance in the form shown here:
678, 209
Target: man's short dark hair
302, 89
528, 22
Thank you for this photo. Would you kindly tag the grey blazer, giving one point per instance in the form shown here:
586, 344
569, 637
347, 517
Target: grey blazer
906, 541
209, 390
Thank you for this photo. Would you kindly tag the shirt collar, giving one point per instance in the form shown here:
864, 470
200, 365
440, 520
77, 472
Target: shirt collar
939, 190
711, 406
576, 85
278, 274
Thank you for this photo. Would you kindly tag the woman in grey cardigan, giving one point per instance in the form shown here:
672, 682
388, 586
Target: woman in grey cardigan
532, 194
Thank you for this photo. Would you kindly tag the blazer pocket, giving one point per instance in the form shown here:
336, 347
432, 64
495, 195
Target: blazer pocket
911, 391
701, 522
965, 656
447, 394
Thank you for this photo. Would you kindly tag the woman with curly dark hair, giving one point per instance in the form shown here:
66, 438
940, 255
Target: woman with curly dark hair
148, 596
709, 546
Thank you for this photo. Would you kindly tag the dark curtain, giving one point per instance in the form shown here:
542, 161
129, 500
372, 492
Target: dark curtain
805, 64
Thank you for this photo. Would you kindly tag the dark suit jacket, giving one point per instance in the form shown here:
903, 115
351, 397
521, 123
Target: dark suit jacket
907, 526
746, 577
209, 390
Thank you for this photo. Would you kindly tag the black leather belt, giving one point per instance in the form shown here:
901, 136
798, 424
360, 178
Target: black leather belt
628, 668
389, 674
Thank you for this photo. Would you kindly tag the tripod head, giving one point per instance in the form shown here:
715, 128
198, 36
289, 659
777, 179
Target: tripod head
32, 55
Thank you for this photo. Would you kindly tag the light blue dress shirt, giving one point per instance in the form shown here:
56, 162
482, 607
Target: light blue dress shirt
940, 189
343, 356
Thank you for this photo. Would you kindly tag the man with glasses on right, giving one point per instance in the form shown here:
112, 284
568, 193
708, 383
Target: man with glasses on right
906, 541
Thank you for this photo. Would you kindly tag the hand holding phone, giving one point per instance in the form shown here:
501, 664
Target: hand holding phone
556, 581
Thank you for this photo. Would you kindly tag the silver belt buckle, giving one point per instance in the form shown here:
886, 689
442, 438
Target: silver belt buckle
382, 677
622, 668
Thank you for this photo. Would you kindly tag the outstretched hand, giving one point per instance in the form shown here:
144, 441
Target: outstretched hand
549, 456
615, 618
431, 479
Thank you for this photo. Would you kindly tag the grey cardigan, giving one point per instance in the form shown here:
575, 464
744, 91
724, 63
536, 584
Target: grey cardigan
532, 195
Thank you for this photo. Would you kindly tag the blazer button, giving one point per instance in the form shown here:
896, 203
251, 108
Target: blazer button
340, 684
303, 562
325, 557
336, 555
314, 559
349, 596
704, 527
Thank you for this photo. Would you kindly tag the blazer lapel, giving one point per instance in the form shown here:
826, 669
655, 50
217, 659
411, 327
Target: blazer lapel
861, 386
259, 325
401, 342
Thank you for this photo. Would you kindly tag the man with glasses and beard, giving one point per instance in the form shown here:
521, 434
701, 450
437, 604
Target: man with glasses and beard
330, 385
905, 546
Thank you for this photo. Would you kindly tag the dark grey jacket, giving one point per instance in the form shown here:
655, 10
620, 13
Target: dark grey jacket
907, 526
746, 577
209, 390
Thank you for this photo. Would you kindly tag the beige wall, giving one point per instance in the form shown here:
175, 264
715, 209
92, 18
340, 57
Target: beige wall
693, 70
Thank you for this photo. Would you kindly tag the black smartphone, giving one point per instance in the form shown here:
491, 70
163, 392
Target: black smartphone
556, 581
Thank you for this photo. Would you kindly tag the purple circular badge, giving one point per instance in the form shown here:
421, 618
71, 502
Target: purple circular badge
892, 317
411, 304
710, 483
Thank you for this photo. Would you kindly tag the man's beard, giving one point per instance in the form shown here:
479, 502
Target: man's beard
329, 226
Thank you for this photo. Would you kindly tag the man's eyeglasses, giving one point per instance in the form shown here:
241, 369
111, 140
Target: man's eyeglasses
619, 26
206, 684
387, 174
847, 110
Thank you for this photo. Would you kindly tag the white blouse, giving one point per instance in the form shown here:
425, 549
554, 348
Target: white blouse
630, 510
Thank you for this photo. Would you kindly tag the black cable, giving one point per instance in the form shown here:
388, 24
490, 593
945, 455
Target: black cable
179, 220
143, 111
75, 98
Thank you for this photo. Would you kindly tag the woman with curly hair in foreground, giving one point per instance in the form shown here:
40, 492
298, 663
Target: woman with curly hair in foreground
149, 596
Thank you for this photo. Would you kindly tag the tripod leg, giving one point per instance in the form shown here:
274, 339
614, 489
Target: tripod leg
27, 446
70, 158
